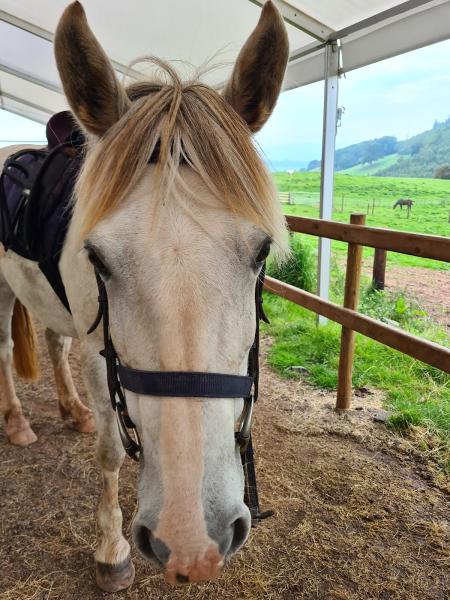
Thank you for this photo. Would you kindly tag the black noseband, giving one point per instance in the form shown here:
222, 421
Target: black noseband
184, 384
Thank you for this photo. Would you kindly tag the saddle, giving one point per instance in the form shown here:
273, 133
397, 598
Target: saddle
36, 187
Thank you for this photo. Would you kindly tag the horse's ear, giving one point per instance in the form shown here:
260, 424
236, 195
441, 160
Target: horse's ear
90, 84
258, 74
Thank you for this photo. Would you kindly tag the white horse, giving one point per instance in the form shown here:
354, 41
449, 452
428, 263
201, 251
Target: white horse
178, 243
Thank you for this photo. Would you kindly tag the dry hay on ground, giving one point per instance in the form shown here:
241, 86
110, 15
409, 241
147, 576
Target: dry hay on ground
357, 513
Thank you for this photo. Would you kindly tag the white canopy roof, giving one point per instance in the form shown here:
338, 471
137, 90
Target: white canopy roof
198, 30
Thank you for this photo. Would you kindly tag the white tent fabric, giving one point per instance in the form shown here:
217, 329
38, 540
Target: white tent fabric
198, 30
376, 38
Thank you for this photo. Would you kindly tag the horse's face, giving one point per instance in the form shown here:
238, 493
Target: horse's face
182, 299
180, 278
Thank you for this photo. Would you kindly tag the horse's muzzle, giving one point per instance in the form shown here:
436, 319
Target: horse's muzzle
191, 565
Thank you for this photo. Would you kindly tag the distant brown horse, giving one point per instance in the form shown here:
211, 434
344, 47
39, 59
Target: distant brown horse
404, 202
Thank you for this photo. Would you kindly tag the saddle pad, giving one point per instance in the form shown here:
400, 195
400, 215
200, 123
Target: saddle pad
36, 188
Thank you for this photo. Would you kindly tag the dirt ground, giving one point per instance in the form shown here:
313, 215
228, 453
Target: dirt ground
429, 287
360, 514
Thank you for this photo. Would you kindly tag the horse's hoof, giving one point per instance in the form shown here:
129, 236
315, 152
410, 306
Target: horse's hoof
113, 578
18, 431
25, 437
86, 425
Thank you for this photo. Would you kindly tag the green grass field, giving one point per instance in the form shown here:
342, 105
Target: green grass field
430, 213
374, 168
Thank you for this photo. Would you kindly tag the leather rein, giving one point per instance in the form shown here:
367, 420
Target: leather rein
188, 385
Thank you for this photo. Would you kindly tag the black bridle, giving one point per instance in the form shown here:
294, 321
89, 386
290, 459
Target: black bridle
185, 384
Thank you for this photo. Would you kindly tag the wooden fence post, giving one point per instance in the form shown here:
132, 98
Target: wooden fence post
379, 269
351, 299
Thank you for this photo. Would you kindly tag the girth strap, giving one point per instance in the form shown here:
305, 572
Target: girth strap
184, 384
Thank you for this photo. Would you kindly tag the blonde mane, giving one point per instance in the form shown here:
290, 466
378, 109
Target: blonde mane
179, 123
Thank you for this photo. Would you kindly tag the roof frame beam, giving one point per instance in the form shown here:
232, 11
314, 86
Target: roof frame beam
306, 51
30, 78
364, 24
49, 36
306, 64
26, 26
301, 20
24, 102
395, 11
24, 114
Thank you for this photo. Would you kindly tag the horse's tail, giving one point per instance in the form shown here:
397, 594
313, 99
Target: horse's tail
25, 354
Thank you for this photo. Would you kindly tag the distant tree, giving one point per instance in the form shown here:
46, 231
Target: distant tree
419, 156
416, 148
376, 149
442, 172
313, 164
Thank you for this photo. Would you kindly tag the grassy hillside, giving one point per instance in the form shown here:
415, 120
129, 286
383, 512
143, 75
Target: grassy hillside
430, 212
422, 154
374, 168
418, 156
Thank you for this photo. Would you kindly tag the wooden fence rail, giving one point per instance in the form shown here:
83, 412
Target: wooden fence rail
425, 246
426, 351
416, 244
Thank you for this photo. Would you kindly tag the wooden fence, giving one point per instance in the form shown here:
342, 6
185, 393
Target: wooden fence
287, 197
352, 204
356, 234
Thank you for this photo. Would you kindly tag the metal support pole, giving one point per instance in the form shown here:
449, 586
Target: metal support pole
332, 65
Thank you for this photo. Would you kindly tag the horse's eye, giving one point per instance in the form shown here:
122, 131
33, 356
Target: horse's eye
263, 252
97, 262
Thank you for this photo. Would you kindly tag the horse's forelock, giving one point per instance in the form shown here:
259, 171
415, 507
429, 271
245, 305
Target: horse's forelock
185, 122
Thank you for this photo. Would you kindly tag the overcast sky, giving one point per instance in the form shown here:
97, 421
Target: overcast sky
14, 128
401, 96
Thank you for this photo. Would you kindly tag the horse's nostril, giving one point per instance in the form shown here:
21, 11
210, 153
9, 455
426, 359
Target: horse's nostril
240, 528
182, 578
160, 550
150, 547
232, 534
142, 537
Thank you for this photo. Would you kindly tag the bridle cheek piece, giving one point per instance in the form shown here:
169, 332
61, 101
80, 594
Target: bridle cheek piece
185, 384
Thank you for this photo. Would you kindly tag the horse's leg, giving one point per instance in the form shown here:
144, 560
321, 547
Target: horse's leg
68, 400
114, 569
18, 430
